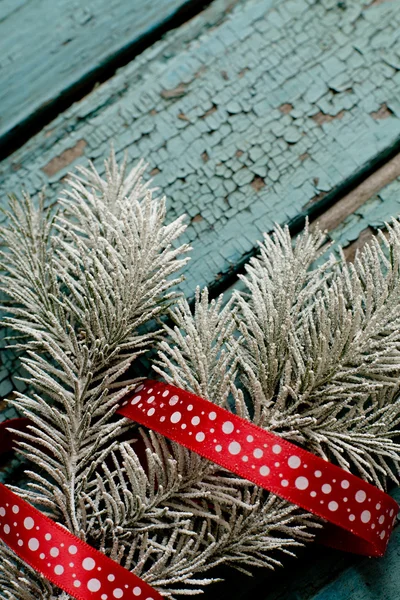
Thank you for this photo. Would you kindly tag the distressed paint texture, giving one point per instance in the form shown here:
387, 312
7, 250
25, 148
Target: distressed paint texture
48, 46
204, 107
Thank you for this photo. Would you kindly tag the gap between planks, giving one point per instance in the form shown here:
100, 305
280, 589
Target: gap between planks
359, 195
43, 114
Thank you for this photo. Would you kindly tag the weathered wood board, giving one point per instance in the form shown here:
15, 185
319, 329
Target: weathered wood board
246, 118
48, 47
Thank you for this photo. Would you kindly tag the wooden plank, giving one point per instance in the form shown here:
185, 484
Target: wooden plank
352, 201
246, 117
50, 47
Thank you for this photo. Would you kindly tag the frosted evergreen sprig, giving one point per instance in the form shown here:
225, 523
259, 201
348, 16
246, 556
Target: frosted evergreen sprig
320, 348
81, 283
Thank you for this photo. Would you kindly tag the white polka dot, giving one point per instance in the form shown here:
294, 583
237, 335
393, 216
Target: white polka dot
33, 544
77, 583
93, 585
15, 509
365, 516
227, 427
360, 496
301, 483
58, 569
294, 462
42, 556
2, 511
54, 552
326, 488
245, 458
72, 549
276, 449
351, 517
284, 483
151, 412
47, 537
118, 593
111, 577
195, 421
234, 448
383, 533
378, 506
88, 564
139, 387
136, 399
190, 407
20, 543
173, 400
137, 591
345, 484
250, 438
6, 529
333, 506
318, 473
165, 394
391, 512
104, 597
200, 437
176, 417
264, 470
258, 453
313, 494
218, 448
29, 523
381, 519
212, 416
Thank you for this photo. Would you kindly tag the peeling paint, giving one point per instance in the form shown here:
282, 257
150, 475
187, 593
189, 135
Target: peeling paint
65, 159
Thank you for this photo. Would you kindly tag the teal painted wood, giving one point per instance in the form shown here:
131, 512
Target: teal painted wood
49, 46
246, 118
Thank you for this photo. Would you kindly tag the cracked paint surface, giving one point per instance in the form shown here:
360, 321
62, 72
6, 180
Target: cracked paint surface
247, 114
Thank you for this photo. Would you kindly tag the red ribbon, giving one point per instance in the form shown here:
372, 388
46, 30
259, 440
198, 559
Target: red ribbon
50, 549
360, 516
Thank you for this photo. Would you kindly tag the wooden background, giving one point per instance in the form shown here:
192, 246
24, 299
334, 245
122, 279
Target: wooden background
248, 112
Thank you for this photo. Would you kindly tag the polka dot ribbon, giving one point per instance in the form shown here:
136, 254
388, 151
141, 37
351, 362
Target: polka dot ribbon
360, 516
62, 558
